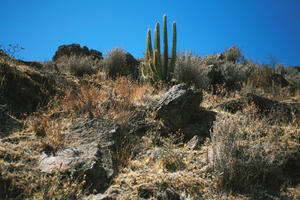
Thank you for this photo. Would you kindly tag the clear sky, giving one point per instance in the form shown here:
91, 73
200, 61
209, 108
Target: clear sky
259, 27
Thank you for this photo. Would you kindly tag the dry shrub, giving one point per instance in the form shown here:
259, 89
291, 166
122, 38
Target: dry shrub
249, 154
262, 78
115, 63
114, 101
233, 54
187, 70
78, 65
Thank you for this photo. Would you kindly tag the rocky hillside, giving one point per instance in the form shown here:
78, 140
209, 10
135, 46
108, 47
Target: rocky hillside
86, 127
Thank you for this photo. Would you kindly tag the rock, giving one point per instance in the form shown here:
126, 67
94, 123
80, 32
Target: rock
8, 124
91, 151
131, 66
292, 75
24, 88
200, 123
193, 142
121, 63
172, 194
292, 70
176, 107
34, 64
179, 109
280, 111
278, 79
77, 50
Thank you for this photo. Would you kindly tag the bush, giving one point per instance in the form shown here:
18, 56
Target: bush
250, 154
187, 70
78, 65
115, 63
262, 77
233, 54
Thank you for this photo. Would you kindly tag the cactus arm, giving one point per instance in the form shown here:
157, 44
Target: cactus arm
173, 58
165, 53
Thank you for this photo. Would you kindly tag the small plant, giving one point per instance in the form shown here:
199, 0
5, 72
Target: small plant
154, 68
171, 158
13, 51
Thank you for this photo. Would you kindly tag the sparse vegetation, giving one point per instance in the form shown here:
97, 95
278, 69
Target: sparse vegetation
246, 156
188, 70
76, 65
251, 154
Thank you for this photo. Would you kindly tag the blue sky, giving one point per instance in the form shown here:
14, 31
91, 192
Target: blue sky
259, 27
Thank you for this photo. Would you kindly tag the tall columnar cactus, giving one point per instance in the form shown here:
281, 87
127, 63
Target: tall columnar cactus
157, 59
149, 52
173, 58
154, 68
165, 53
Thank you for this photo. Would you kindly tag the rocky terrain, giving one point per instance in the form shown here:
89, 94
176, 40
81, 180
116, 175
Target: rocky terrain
86, 127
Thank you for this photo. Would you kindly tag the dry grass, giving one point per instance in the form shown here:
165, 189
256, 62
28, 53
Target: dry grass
250, 154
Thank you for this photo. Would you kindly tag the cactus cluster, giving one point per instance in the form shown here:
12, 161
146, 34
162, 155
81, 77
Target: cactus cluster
155, 67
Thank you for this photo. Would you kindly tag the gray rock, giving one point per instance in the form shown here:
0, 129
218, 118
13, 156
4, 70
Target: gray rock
91, 151
177, 106
179, 109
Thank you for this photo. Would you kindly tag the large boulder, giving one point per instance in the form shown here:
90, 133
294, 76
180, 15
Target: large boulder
91, 150
176, 107
76, 50
179, 109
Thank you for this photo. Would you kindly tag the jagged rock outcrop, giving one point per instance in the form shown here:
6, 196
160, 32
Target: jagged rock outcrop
23, 88
91, 150
179, 109
76, 50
